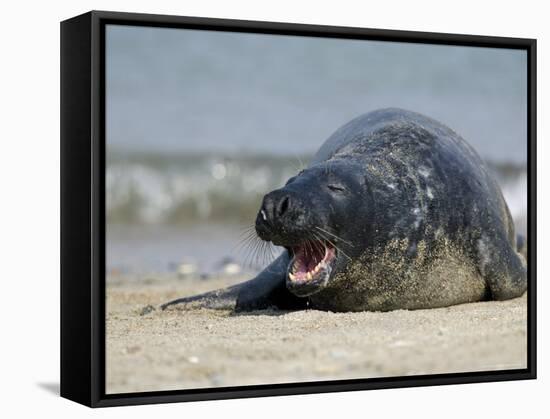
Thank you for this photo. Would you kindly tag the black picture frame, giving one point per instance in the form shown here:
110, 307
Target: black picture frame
83, 207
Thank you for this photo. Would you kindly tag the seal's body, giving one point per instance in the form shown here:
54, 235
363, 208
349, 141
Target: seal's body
395, 211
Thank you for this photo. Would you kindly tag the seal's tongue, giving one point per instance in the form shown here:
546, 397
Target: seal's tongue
309, 259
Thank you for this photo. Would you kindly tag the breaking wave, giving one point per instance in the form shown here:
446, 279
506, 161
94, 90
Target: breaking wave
145, 188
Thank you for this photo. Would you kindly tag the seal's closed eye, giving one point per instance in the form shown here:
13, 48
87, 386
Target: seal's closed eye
337, 187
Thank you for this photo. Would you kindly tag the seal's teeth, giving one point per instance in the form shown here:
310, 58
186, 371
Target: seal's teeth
309, 276
291, 276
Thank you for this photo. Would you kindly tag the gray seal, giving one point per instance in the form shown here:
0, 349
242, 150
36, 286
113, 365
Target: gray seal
395, 211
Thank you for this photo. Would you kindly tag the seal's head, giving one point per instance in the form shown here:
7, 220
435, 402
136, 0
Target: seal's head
316, 216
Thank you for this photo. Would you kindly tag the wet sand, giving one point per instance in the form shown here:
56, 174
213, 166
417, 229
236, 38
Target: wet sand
149, 349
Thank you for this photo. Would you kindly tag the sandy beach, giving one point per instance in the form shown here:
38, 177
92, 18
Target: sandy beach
149, 349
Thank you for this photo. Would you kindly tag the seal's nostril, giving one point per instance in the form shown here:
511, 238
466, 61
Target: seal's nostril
284, 203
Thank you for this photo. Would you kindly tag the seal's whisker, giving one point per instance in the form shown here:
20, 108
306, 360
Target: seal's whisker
318, 244
260, 259
249, 251
247, 230
248, 236
244, 242
311, 247
265, 252
335, 236
321, 237
246, 239
260, 255
306, 246
271, 250
254, 251
339, 250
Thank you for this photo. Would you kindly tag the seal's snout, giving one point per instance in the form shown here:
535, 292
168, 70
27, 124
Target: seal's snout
280, 215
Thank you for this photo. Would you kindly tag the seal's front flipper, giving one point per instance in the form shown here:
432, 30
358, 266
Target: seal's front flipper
218, 299
268, 289
503, 268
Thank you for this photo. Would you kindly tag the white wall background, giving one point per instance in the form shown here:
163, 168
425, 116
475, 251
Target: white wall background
29, 220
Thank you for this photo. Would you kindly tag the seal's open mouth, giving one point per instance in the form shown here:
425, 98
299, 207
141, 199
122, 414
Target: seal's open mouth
310, 267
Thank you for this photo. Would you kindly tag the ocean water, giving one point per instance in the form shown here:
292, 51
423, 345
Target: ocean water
164, 210
181, 90
201, 124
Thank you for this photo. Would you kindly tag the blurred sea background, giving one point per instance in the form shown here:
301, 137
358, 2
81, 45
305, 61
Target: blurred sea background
201, 124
